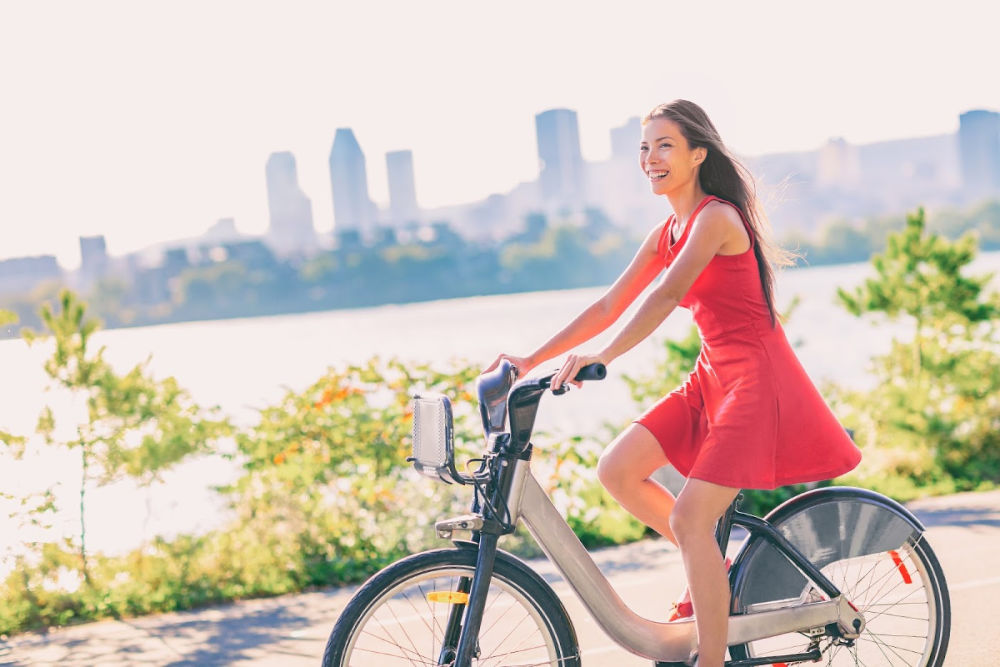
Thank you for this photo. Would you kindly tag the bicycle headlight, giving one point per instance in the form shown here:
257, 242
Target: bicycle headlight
434, 438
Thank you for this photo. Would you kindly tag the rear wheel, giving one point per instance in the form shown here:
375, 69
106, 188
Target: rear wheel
898, 587
410, 614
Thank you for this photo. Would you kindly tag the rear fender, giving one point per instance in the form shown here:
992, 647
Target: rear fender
826, 525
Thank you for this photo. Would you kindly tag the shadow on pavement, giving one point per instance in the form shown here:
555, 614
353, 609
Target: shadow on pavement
959, 516
214, 636
229, 639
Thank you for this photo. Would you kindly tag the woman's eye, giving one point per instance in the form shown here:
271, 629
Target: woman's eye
643, 148
664, 145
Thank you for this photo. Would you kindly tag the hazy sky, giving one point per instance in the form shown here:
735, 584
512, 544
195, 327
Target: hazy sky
150, 120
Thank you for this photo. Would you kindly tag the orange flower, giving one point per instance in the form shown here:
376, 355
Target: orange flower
331, 393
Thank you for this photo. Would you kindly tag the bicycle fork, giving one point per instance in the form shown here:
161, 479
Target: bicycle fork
449, 642
469, 630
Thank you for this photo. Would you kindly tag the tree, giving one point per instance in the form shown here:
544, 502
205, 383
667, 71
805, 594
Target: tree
934, 415
7, 317
136, 426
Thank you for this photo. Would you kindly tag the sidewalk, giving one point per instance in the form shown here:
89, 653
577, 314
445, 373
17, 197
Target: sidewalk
292, 630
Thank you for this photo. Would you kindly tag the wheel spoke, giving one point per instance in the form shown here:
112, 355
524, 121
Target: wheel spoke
403, 627
492, 603
884, 580
873, 639
391, 641
890, 605
402, 650
512, 631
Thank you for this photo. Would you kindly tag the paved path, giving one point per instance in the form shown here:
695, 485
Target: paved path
292, 630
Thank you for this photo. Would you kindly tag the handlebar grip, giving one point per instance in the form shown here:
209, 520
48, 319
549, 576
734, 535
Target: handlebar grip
592, 372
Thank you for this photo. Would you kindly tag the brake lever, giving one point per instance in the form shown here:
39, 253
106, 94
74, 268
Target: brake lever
546, 383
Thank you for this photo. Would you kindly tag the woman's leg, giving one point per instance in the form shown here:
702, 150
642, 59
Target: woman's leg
696, 513
624, 470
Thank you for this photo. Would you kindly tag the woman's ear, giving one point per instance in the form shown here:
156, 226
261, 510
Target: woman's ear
700, 154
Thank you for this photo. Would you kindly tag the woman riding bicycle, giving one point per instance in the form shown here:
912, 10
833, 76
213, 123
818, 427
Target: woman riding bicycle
748, 416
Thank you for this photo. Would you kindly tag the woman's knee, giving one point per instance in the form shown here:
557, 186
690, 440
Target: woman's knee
687, 523
611, 471
698, 509
631, 458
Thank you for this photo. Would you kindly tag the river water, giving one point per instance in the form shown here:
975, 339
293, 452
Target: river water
244, 364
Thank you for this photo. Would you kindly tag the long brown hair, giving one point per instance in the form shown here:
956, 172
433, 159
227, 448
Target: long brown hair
722, 175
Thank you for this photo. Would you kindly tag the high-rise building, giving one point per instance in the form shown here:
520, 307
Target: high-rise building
352, 209
402, 188
562, 173
625, 139
979, 151
291, 229
839, 165
93, 256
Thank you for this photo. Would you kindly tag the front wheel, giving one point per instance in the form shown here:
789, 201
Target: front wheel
411, 612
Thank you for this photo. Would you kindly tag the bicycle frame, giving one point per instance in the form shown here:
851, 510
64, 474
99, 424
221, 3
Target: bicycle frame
668, 642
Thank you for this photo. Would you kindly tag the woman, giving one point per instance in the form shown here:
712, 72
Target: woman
748, 416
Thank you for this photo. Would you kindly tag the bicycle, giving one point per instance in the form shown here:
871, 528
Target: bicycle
474, 604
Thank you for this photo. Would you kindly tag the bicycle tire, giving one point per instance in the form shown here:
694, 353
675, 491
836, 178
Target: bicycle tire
361, 638
901, 590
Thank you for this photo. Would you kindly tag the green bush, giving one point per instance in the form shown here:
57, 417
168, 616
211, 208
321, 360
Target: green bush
325, 497
932, 422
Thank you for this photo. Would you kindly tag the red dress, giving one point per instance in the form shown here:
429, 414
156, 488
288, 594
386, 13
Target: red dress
748, 416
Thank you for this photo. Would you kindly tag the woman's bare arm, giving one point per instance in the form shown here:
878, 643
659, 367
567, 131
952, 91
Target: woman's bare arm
601, 314
711, 230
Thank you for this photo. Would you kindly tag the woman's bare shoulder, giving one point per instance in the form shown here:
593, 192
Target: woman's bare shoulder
720, 216
721, 210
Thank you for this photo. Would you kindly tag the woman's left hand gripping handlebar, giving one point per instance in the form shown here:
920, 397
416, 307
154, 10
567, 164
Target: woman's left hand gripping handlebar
571, 366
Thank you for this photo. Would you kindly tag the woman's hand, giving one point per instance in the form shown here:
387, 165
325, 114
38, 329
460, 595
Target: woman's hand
522, 364
572, 366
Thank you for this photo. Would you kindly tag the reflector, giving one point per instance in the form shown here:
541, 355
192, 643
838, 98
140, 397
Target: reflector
450, 597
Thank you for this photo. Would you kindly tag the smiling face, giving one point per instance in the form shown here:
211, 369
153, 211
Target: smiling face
668, 161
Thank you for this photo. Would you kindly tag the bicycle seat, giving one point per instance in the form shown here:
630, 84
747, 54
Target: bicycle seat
492, 389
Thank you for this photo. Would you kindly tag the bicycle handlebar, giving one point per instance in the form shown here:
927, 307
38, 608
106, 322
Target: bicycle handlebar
496, 387
587, 373
592, 372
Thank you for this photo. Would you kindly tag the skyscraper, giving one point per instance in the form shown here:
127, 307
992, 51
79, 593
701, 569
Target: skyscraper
352, 209
979, 151
625, 139
561, 176
93, 256
291, 228
402, 189
839, 164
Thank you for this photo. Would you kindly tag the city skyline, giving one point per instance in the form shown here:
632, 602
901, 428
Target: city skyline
819, 187
138, 140
290, 228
